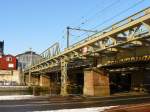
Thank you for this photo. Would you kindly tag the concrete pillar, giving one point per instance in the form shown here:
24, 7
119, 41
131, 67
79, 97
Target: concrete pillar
41, 80
96, 83
44, 81
26, 78
22, 78
35, 80
64, 77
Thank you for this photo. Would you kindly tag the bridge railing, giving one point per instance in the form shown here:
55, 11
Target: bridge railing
48, 53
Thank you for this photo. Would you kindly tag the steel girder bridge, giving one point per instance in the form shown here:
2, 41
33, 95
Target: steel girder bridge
127, 41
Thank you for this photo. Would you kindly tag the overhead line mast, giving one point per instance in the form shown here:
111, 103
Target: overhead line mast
77, 29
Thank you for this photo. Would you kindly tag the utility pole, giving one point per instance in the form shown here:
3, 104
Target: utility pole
77, 29
68, 36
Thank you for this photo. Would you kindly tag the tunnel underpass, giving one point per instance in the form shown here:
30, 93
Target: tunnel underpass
128, 77
119, 82
55, 83
75, 81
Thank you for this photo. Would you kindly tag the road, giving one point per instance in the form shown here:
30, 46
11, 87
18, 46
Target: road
70, 102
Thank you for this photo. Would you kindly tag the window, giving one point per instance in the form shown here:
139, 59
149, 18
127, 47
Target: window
8, 58
10, 65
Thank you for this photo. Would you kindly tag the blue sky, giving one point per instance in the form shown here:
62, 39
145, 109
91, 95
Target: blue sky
40, 23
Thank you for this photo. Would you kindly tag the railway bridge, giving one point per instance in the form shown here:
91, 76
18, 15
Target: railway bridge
116, 59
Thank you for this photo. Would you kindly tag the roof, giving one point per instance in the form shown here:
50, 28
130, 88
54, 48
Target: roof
8, 55
27, 52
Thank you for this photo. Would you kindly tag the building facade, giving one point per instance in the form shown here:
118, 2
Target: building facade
10, 78
26, 59
9, 75
8, 62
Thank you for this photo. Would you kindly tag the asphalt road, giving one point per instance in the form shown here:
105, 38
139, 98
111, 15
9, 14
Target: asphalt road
72, 102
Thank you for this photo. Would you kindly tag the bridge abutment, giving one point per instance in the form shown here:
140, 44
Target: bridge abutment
96, 83
44, 80
35, 80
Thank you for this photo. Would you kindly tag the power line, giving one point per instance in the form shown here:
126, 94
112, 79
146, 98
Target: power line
82, 17
113, 17
136, 4
102, 10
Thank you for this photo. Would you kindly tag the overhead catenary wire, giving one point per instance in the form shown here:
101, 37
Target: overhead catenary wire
113, 17
99, 12
96, 14
89, 11
120, 13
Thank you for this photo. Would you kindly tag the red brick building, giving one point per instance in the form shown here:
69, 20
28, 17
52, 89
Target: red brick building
8, 62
